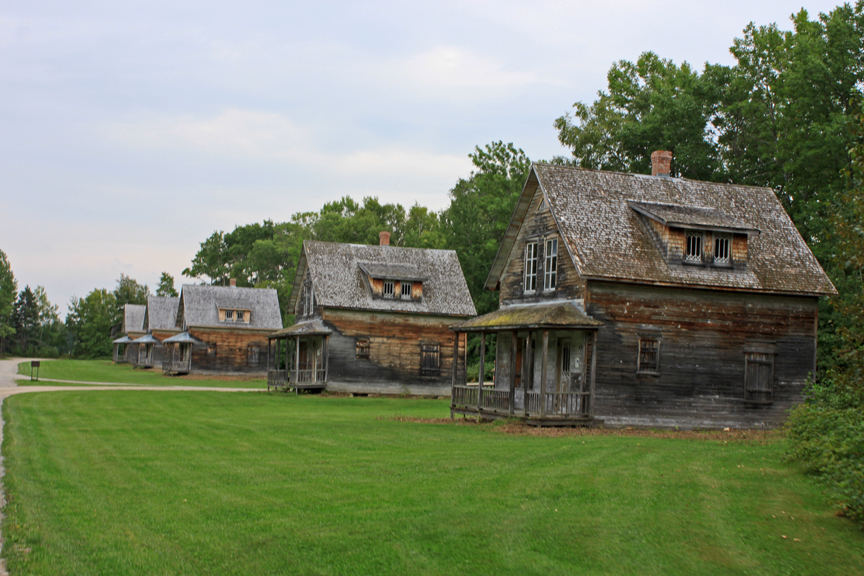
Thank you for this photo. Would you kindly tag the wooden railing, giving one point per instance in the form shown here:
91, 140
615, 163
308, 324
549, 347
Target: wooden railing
277, 377
307, 376
557, 404
169, 366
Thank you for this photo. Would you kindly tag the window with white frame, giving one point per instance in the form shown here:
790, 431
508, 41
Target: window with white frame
406, 289
229, 315
531, 267
388, 289
693, 249
722, 245
550, 271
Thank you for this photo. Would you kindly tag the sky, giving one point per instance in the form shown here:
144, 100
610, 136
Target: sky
131, 131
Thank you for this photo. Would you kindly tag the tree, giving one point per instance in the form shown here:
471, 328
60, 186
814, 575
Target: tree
166, 286
89, 321
479, 213
128, 291
26, 320
8, 292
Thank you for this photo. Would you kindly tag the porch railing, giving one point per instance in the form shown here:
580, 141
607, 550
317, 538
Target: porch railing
307, 376
557, 404
169, 365
277, 377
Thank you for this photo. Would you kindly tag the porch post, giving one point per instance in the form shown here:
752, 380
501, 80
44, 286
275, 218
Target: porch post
296, 358
593, 372
326, 357
543, 373
514, 349
527, 384
480, 376
455, 359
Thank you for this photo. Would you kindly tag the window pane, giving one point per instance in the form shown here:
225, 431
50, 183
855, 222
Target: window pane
721, 248
551, 272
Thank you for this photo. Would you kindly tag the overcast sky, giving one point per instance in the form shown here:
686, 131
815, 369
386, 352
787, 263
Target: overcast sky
130, 131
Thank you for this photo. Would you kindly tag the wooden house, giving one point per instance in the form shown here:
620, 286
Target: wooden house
160, 317
637, 300
132, 328
372, 319
221, 329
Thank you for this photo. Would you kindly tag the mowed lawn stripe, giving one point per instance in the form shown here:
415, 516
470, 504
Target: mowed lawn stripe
140, 482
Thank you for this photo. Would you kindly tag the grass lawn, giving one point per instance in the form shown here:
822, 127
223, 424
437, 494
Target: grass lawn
208, 483
107, 371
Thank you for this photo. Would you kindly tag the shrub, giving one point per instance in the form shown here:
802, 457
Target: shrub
826, 433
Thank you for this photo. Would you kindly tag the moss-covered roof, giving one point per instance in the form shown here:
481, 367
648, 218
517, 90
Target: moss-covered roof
556, 315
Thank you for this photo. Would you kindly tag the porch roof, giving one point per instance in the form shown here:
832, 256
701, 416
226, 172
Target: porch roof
123, 340
555, 315
146, 339
314, 327
182, 338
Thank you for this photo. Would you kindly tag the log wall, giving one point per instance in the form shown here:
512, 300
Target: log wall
702, 336
232, 350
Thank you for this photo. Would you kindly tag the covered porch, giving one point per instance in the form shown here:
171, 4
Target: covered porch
122, 350
298, 357
544, 368
177, 353
145, 353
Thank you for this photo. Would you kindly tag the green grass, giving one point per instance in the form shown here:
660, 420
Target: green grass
107, 371
206, 483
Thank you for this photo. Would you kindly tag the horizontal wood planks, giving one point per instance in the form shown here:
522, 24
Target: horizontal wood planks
394, 347
702, 337
231, 352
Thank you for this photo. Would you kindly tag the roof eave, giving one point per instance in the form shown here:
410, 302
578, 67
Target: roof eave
707, 287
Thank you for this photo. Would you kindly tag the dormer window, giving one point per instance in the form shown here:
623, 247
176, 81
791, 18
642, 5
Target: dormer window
722, 244
406, 289
229, 315
233, 315
693, 251
240, 315
388, 289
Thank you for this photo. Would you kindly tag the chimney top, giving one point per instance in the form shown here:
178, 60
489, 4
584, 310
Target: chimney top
661, 163
384, 236
233, 283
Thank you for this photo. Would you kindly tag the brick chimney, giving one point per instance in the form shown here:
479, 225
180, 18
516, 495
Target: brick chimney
233, 282
661, 163
384, 236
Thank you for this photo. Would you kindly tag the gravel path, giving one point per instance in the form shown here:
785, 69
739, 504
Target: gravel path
8, 387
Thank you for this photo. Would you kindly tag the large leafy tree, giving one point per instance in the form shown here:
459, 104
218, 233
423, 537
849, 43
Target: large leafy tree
129, 291
89, 322
26, 320
479, 212
166, 285
8, 292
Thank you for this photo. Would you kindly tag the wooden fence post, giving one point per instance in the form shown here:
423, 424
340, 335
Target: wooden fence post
543, 374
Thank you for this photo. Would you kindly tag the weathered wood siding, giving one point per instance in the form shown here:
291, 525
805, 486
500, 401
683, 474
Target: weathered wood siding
232, 350
394, 340
702, 336
539, 226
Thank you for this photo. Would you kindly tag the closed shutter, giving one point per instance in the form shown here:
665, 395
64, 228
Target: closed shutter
430, 359
759, 378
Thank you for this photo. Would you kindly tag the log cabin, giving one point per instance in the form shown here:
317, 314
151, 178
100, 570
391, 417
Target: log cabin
372, 319
636, 300
221, 329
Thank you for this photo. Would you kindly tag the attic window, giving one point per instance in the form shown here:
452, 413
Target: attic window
551, 268
406, 289
693, 252
721, 248
229, 315
234, 315
388, 289
531, 267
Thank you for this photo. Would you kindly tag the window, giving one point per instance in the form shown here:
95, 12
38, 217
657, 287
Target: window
406, 289
565, 360
361, 349
531, 267
211, 350
759, 377
229, 314
430, 359
721, 248
693, 251
649, 356
550, 274
240, 315
254, 355
388, 289
308, 300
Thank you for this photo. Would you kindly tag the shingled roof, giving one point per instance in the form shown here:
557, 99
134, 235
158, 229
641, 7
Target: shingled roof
162, 312
200, 306
337, 272
133, 317
599, 215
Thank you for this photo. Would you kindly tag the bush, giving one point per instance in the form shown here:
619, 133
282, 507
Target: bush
827, 435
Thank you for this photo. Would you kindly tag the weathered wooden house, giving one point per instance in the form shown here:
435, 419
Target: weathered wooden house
132, 328
222, 329
372, 319
637, 300
160, 317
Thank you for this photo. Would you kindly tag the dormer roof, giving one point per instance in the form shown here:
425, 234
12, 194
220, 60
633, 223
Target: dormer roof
600, 216
340, 273
200, 305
